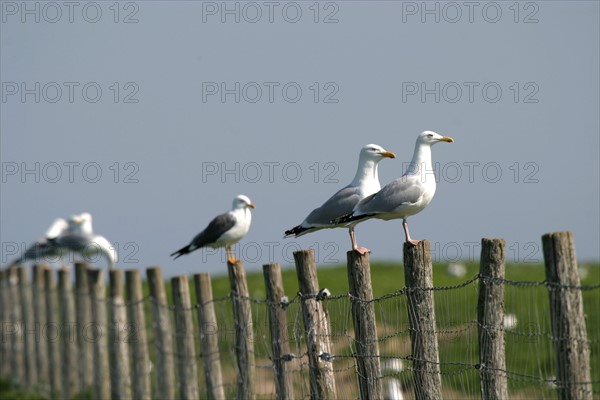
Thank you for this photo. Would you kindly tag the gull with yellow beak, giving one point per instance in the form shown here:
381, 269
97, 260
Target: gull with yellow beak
365, 183
405, 196
224, 230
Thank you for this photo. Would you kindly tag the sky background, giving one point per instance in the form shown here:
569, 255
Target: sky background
153, 115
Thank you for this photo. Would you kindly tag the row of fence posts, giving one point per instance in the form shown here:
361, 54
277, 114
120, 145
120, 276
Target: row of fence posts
66, 367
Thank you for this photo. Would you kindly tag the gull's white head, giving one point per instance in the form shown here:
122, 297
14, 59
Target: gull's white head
430, 138
85, 217
241, 201
375, 152
81, 223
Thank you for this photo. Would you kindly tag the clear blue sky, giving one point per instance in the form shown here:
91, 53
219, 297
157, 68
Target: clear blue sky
154, 115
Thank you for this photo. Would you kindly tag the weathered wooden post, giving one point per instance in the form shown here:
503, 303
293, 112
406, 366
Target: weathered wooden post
490, 318
184, 328
120, 376
30, 332
141, 360
5, 350
244, 334
15, 329
165, 388
69, 363
418, 273
100, 340
278, 328
365, 326
568, 320
53, 334
316, 327
207, 321
84, 323
39, 311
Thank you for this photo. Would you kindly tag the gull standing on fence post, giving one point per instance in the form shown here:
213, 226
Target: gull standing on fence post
365, 183
224, 230
405, 196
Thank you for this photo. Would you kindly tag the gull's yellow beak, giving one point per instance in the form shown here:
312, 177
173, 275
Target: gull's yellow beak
388, 154
251, 205
446, 139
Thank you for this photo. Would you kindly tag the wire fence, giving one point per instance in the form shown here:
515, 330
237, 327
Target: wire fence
530, 341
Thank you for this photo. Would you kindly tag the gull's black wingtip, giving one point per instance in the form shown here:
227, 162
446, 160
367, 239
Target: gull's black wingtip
295, 231
343, 219
180, 252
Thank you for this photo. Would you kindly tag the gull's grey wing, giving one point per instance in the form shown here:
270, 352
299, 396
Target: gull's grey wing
217, 227
398, 192
341, 203
74, 242
39, 250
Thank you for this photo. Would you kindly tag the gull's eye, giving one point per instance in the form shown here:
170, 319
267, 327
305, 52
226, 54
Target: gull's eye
429, 135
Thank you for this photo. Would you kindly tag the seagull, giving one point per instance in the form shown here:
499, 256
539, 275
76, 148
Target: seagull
79, 238
405, 196
75, 235
224, 230
365, 183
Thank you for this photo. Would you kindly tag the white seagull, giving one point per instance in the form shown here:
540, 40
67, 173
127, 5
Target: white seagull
224, 230
80, 238
365, 183
75, 235
405, 196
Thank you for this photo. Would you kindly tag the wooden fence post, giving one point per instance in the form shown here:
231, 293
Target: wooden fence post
141, 359
365, 326
84, 322
207, 321
244, 334
39, 308
490, 318
316, 327
17, 364
30, 330
97, 290
53, 335
278, 328
120, 377
184, 328
164, 335
5, 351
68, 337
418, 273
568, 320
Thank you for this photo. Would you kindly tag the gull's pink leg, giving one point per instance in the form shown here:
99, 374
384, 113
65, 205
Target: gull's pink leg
361, 250
408, 239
